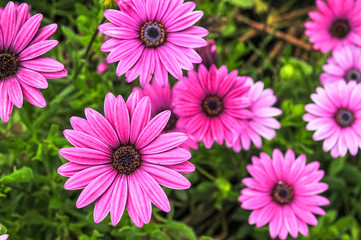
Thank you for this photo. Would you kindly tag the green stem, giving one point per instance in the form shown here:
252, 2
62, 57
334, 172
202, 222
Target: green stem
205, 173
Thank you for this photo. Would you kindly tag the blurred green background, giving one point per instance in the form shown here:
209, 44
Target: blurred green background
33, 202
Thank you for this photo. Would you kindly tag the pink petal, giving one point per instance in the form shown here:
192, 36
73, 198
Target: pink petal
153, 190
102, 205
33, 95
27, 32
82, 178
102, 127
43, 64
140, 118
83, 140
82, 125
141, 201
96, 188
8, 24
85, 156
166, 177
152, 129
6, 106
119, 198
183, 168
69, 169
31, 78
14, 91
44, 33
37, 49
164, 142
174, 156
121, 121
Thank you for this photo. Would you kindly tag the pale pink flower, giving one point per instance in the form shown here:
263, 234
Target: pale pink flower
153, 38
22, 69
210, 104
262, 122
344, 65
337, 23
283, 191
102, 68
121, 160
336, 117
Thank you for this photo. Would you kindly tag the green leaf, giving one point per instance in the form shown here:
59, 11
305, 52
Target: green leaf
242, 3
22, 175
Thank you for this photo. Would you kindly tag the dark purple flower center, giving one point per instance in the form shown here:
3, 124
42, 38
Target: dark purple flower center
344, 117
9, 65
152, 34
353, 74
172, 122
126, 159
212, 106
282, 193
340, 28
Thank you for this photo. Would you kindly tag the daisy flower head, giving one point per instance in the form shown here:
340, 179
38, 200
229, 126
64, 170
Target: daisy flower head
262, 122
22, 69
152, 38
121, 160
3, 237
283, 191
336, 23
335, 115
161, 99
209, 104
344, 65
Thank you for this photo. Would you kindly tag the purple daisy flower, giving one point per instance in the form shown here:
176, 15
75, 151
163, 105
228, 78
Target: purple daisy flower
283, 191
344, 65
121, 160
337, 23
208, 54
22, 69
162, 99
210, 104
262, 122
153, 37
336, 117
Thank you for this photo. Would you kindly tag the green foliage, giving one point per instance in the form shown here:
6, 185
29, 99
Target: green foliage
34, 203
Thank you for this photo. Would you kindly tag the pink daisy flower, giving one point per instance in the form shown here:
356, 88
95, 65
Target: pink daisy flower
208, 54
344, 65
337, 23
153, 38
3, 237
121, 160
262, 122
161, 99
210, 104
336, 117
22, 69
283, 192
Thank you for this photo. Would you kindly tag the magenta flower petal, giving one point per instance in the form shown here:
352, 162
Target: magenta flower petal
70, 168
27, 32
8, 24
14, 92
285, 197
152, 129
102, 127
142, 52
43, 65
37, 49
44, 33
121, 175
166, 177
119, 199
171, 157
84, 156
33, 95
140, 118
153, 190
141, 200
32, 78
82, 178
102, 205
